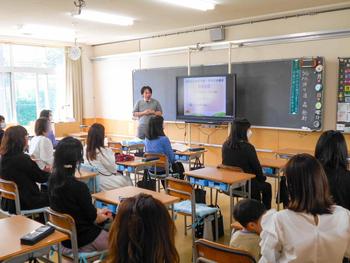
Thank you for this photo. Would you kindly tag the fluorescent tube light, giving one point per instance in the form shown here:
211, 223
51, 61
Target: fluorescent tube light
105, 18
203, 5
46, 32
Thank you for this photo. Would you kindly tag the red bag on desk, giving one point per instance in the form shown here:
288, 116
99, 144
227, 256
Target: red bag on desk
120, 157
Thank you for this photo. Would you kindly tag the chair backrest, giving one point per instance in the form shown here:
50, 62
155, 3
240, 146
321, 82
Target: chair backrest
229, 167
162, 162
179, 188
236, 226
208, 251
9, 190
66, 224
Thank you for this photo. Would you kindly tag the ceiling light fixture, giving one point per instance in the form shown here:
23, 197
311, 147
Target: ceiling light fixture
79, 5
105, 18
203, 5
46, 32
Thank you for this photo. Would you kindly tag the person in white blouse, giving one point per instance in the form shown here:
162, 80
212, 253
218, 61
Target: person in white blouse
40, 147
312, 228
102, 158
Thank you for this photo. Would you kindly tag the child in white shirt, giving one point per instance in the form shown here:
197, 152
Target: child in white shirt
248, 213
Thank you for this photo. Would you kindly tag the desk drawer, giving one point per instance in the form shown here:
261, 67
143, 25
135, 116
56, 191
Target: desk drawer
268, 170
112, 208
219, 186
181, 157
200, 182
125, 168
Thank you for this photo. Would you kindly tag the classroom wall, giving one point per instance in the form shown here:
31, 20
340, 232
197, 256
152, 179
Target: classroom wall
88, 82
113, 78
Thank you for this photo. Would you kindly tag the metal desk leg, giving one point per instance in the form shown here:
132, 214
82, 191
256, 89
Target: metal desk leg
172, 212
216, 227
135, 175
211, 196
95, 184
250, 189
278, 190
127, 173
59, 253
231, 204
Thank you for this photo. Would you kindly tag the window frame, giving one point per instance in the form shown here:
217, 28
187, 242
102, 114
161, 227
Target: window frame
11, 70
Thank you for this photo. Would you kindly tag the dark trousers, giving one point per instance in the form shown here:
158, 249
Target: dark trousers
261, 191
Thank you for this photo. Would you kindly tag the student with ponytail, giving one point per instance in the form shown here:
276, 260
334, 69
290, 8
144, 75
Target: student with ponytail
70, 196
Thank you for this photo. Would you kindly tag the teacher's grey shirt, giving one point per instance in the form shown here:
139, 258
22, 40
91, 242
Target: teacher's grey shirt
143, 105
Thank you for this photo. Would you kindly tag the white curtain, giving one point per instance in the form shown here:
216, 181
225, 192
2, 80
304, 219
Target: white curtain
74, 88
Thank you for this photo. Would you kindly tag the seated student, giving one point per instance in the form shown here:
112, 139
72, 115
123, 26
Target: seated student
102, 158
40, 147
248, 212
237, 151
70, 196
2, 127
332, 152
48, 114
18, 167
311, 229
156, 141
142, 232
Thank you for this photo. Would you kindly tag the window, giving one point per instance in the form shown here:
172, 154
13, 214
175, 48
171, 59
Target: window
5, 95
4, 55
31, 79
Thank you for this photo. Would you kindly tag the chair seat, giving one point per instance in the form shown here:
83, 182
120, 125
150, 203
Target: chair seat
83, 256
202, 210
161, 176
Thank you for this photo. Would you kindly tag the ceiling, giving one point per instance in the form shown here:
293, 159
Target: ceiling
151, 16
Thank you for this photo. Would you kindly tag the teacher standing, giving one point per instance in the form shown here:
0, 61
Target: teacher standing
145, 109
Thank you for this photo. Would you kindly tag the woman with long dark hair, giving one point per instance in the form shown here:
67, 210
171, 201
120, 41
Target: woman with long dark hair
70, 196
312, 228
18, 167
156, 141
142, 232
237, 151
2, 127
332, 152
102, 158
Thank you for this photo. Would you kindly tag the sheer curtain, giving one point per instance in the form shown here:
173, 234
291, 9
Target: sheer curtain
74, 88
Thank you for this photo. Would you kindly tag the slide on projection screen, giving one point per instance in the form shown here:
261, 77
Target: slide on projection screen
207, 98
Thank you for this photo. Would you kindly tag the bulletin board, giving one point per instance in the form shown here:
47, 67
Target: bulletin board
343, 105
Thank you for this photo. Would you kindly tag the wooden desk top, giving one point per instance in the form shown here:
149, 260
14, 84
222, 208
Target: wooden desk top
84, 174
274, 163
137, 162
13, 228
134, 146
190, 153
113, 196
78, 134
220, 175
289, 151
